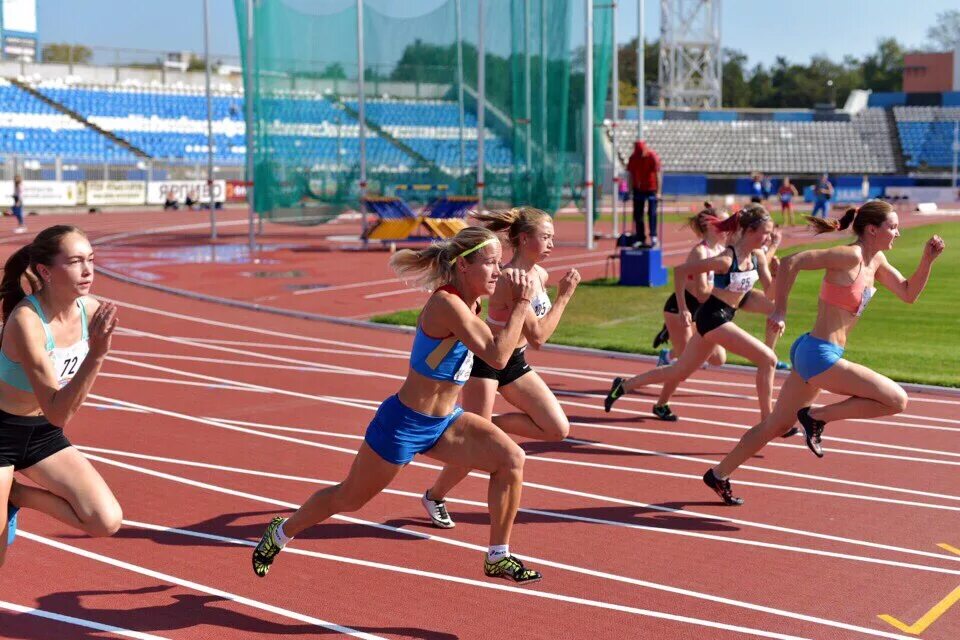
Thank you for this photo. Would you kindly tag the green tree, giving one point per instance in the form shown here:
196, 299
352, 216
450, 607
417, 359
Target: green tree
66, 53
883, 69
736, 90
944, 35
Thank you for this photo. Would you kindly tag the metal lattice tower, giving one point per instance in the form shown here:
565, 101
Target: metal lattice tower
690, 55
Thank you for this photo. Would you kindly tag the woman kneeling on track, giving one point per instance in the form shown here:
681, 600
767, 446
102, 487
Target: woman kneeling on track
817, 356
696, 289
423, 416
530, 232
735, 272
49, 358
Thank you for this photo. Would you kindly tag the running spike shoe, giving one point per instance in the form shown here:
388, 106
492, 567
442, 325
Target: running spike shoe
813, 430
511, 568
616, 390
662, 337
12, 512
664, 358
267, 549
437, 510
663, 412
721, 488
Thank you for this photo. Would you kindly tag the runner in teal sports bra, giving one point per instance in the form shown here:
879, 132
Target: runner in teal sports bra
49, 358
423, 416
818, 362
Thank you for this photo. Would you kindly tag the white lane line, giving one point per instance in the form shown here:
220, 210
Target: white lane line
511, 589
388, 353
196, 586
385, 294
317, 368
341, 287
366, 404
669, 474
185, 383
740, 427
78, 622
481, 548
524, 510
642, 505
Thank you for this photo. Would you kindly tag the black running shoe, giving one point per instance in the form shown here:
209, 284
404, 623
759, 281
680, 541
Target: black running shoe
792, 431
663, 412
267, 549
662, 337
511, 568
813, 429
722, 489
616, 390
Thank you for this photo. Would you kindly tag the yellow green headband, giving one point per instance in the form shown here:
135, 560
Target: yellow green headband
472, 249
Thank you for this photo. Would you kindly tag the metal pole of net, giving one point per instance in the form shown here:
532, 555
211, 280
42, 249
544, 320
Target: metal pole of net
641, 71
588, 124
206, 56
248, 96
461, 115
361, 117
481, 103
613, 126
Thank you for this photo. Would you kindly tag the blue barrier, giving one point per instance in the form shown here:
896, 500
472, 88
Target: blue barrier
892, 99
642, 268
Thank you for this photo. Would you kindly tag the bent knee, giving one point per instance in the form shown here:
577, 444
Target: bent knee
556, 431
717, 359
512, 459
105, 522
899, 401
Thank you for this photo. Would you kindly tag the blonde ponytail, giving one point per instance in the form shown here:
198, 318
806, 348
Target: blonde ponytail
434, 266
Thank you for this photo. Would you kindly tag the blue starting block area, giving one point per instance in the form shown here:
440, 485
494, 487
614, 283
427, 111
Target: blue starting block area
396, 221
642, 268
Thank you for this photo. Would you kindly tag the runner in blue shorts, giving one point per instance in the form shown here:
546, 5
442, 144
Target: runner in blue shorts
818, 362
423, 417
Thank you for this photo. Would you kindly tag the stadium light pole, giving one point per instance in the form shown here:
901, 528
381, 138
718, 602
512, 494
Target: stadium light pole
361, 114
248, 103
462, 115
481, 99
613, 126
641, 72
588, 122
206, 55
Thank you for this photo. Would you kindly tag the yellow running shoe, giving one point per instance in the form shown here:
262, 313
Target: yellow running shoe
267, 549
512, 568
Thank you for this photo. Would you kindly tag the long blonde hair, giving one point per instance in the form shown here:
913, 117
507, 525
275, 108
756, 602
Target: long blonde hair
514, 221
435, 265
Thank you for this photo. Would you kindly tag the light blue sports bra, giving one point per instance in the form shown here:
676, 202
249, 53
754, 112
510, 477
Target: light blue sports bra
66, 360
444, 359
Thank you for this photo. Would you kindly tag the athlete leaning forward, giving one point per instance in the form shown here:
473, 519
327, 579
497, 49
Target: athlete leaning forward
423, 417
818, 363
540, 417
735, 270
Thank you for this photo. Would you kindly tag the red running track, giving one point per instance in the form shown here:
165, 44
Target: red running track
208, 420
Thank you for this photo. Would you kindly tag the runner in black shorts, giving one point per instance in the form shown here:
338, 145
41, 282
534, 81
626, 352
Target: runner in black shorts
530, 232
696, 289
49, 359
736, 271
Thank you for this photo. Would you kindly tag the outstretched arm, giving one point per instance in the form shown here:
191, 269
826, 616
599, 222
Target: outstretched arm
845, 257
909, 289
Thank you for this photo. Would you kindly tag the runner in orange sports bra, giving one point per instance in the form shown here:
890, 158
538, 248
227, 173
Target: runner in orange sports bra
817, 356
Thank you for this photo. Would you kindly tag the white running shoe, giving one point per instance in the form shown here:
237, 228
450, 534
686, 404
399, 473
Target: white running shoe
20, 230
437, 510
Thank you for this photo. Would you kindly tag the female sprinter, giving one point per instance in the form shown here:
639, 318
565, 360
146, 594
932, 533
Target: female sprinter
423, 416
735, 272
530, 232
818, 363
696, 289
49, 358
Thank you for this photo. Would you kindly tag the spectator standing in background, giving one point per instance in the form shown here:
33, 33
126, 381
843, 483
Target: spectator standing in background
822, 194
787, 192
646, 180
756, 188
17, 208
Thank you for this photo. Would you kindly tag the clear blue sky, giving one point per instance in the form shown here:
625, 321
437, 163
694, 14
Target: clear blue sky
763, 29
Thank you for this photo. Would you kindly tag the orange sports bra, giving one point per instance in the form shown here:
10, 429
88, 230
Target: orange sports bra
852, 297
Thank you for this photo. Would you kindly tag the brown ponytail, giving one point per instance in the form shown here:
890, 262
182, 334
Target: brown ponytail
515, 221
871, 213
704, 218
749, 217
23, 263
430, 268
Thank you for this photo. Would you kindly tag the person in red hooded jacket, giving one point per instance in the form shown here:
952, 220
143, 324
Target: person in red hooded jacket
646, 180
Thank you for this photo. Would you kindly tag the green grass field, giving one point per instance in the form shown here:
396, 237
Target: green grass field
910, 343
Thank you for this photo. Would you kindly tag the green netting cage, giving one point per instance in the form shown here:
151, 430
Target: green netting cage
421, 98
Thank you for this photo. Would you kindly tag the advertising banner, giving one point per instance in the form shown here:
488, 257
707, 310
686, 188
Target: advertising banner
107, 192
196, 189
